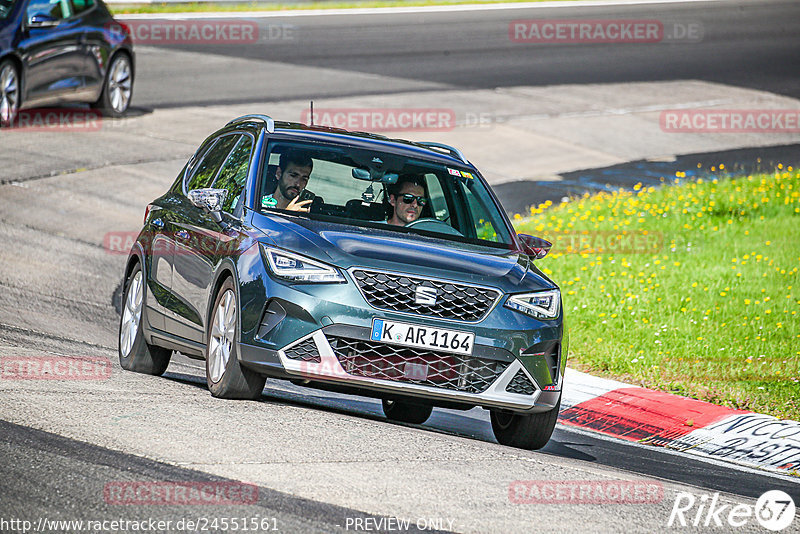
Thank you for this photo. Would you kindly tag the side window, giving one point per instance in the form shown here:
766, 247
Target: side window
439, 207
58, 9
485, 227
79, 6
233, 174
204, 172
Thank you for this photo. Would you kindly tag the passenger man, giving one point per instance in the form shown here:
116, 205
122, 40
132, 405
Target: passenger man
293, 173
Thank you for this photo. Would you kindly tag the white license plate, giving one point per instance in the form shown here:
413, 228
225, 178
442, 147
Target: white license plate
424, 337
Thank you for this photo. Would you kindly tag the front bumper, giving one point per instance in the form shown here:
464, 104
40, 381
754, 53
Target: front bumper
345, 356
320, 334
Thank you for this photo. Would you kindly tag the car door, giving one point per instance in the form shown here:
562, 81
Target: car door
52, 50
196, 235
92, 42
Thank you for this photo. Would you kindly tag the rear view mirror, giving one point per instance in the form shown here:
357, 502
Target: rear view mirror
209, 199
535, 247
375, 175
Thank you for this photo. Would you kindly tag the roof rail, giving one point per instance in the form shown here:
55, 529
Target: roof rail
266, 119
452, 150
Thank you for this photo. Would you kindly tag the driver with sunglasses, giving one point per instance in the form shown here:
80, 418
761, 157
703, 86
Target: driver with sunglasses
407, 198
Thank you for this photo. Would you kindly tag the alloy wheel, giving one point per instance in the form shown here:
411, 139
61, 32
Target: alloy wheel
131, 315
223, 332
120, 84
9, 94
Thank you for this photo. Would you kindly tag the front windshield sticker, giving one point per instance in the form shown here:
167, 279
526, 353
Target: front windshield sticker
454, 172
466, 174
268, 201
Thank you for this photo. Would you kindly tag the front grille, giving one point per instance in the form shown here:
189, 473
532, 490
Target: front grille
396, 292
520, 384
418, 366
305, 352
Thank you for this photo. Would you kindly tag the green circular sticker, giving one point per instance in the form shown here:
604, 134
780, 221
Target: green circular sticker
268, 201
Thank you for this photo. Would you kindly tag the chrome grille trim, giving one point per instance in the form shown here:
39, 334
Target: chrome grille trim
456, 301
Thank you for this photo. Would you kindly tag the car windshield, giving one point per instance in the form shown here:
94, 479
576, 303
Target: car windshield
5, 7
366, 188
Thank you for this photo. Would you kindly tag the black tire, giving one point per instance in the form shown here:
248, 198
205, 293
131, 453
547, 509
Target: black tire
117, 92
230, 380
135, 354
406, 412
522, 431
10, 93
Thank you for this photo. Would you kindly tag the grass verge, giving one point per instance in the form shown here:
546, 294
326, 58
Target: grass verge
203, 7
690, 288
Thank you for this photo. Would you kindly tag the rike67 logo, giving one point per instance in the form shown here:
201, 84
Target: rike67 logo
774, 510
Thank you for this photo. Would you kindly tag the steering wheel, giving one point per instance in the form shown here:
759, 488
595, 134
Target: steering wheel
432, 224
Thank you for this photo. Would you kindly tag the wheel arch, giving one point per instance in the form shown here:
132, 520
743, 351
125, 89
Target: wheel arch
134, 258
224, 271
124, 51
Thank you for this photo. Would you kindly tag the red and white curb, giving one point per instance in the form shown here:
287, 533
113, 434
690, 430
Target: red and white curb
688, 425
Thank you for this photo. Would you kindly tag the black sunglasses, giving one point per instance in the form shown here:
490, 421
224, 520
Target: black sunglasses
408, 198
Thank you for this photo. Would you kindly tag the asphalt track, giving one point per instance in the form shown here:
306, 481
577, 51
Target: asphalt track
753, 44
60, 443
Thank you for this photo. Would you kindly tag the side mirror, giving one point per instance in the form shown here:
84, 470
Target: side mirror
210, 200
42, 20
535, 247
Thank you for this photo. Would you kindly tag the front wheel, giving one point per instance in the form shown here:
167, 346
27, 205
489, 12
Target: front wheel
117, 87
9, 93
135, 354
524, 431
406, 412
225, 376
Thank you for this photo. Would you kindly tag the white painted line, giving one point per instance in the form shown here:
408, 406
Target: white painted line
394, 10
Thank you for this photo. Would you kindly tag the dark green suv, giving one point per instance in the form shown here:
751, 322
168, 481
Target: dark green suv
350, 262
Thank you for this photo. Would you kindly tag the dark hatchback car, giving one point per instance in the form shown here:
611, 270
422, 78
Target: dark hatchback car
449, 310
59, 51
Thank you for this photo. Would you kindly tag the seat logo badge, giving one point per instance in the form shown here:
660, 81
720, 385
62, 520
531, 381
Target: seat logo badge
425, 295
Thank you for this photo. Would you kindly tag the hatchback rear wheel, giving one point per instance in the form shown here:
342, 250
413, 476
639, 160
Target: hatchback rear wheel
225, 376
9, 93
117, 87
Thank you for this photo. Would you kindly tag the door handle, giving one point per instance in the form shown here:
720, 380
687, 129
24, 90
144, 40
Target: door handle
158, 223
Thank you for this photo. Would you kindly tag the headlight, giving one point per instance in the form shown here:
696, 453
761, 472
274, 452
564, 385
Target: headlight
297, 268
542, 305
